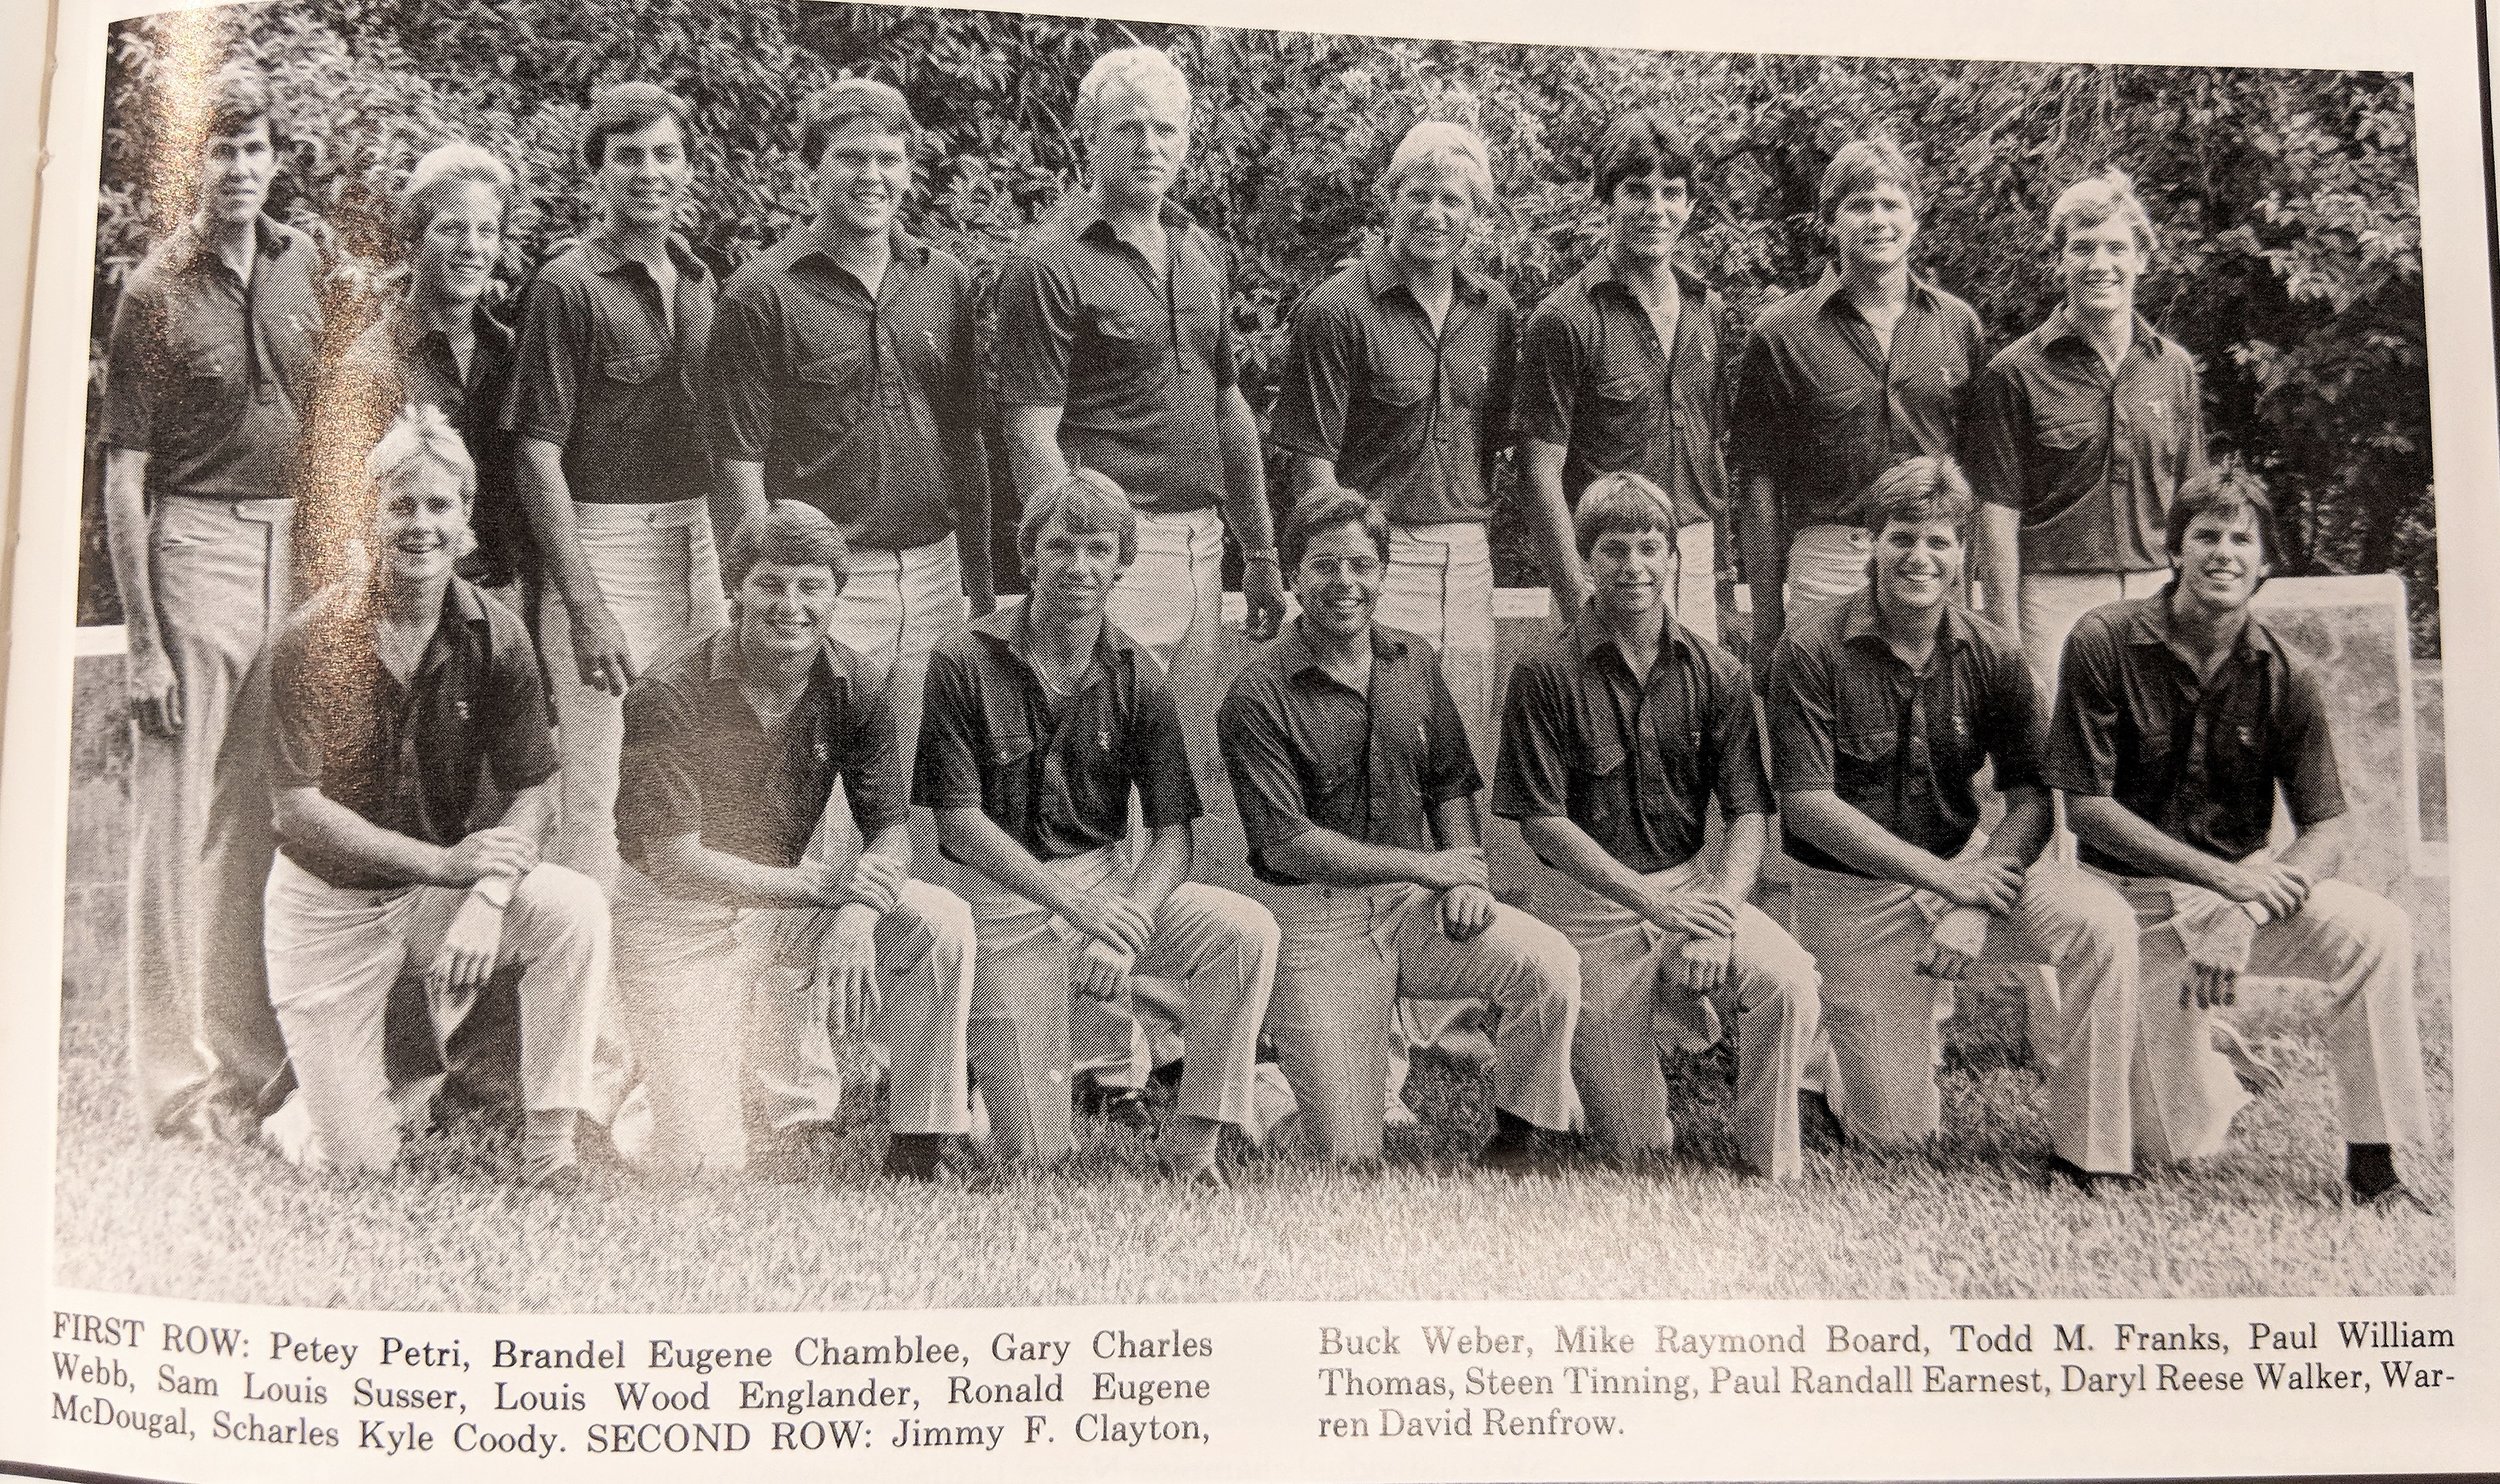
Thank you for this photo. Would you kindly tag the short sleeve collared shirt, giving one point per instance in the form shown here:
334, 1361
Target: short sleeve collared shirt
1055, 776
2090, 459
601, 373
1902, 747
1820, 409
1307, 752
860, 405
1631, 760
1595, 381
1136, 356
698, 761
209, 375
398, 362
1410, 416
2199, 760
404, 756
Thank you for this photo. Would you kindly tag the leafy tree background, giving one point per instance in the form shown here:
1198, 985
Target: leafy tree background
2287, 200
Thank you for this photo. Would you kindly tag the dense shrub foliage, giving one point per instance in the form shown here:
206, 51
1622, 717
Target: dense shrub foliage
2287, 201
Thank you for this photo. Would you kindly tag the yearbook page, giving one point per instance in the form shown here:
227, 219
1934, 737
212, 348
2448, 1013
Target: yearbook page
1161, 741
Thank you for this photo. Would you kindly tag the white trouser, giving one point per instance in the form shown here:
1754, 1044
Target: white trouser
1824, 562
730, 1025
1219, 945
660, 578
335, 952
1697, 578
2051, 602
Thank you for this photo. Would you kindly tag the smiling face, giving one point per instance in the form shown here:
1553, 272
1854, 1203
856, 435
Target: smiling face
2220, 561
862, 179
456, 255
1874, 226
234, 173
643, 175
785, 611
1072, 572
420, 524
2099, 266
1918, 564
1630, 570
1140, 138
1430, 215
1337, 582
1646, 215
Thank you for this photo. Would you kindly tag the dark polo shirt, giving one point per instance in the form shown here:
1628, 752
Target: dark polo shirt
404, 757
861, 405
1901, 747
600, 375
698, 761
1594, 381
1135, 355
1821, 409
1632, 761
1306, 752
1410, 417
1053, 772
2090, 459
209, 375
398, 362
2198, 760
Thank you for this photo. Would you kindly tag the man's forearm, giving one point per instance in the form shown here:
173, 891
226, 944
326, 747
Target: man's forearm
311, 818
737, 492
1245, 474
968, 481
1823, 820
1559, 545
549, 500
2000, 564
126, 538
1764, 543
2318, 851
1163, 867
1740, 855
1562, 844
975, 840
686, 868
1310, 471
531, 811
1034, 459
2024, 832
1325, 858
2113, 827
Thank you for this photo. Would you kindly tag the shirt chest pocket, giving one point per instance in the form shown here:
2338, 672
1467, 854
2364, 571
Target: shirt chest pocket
2067, 439
1127, 347
1832, 419
628, 379
833, 389
1864, 765
1392, 407
1600, 788
2235, 744
1007, 778
1625, 410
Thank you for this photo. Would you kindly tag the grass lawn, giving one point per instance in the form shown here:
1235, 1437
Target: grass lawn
1965, 1218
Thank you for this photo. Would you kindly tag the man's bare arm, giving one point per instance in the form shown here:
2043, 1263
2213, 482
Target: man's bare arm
2001, 564
1565, 576
1765, 547
155, 689
600, 653
1033, 456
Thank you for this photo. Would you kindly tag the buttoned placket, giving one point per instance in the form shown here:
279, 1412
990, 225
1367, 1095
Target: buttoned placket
1861, 338
1649, 767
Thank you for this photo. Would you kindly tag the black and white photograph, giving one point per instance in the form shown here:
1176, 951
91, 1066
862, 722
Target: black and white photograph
745, 656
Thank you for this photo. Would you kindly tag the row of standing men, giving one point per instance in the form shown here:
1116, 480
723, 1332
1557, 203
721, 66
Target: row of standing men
836, 370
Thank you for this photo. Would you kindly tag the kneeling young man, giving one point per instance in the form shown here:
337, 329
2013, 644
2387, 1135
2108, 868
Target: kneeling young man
388, 692
1358, 795
1883, 706
1615, 735
1038, 724
739, 958
2179, 715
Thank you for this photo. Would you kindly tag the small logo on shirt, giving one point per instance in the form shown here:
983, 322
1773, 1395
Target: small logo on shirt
2246, 740
460, 710
2157, 409
931, 337
1102, 740
824, 752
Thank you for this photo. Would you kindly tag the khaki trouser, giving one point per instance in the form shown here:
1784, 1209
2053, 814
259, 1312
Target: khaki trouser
1348, 952
729, 1026
335, 952
1879, 1012
200, 1023
2183, 1090
1824, 562
1219, 945
1627, 1013
2050, 603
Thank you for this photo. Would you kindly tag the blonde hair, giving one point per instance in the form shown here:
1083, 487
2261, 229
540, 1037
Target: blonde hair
2094, 200
443, 170
1141, 69
418, 438
1438, 146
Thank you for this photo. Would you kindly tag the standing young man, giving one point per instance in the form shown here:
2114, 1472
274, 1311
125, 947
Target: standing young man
208, 368
1840, 382
1357, 790
841, 375
2179, 718
1040, 723
1620, 370
611, 451
1616, 734
740, 956
1883, 707
395, 695
2081, 432
1115, 352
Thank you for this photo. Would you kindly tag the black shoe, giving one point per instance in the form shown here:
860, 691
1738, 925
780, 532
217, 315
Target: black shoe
1816, 1120
2398, 1198
2058, 1170
913, 1157
1519, 1158
1121, 1107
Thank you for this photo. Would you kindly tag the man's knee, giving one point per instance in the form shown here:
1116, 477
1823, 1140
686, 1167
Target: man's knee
2370, 922
923, 907
1237, 921
1541, 958
567, 901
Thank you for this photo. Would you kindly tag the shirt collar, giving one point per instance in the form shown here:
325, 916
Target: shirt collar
720, 657
1381, 276
1008, 630
1858, 620
1298, 657
909, 251
1589, 634
1087, 223
407, 330
606, 259
2059, 326
268, 240
1600, 273
2148, 623
1827, 288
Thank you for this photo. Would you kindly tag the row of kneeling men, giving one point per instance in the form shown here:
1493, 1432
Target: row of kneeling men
750, 929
